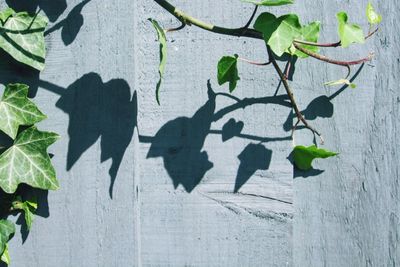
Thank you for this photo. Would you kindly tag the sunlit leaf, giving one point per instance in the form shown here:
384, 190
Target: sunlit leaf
5, 257
278, 33
28, 207
163, 55
269, 2
16, 109
309, 33
349, 33
228, 72
22, 36
7, 229
373, 17
341, 82
27, 161
303, 156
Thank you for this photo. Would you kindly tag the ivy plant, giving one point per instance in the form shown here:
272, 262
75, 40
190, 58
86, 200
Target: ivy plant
283, 35
24, 158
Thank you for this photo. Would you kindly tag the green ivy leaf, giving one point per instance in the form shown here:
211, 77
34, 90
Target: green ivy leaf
303, 156
27, 161
7, 229
22, 36
309, 33
373, 17
29, 207
5, 14
341, 82
269, 2
163, 55
16, 109
5, 257
349, 33
278, 33
228, 72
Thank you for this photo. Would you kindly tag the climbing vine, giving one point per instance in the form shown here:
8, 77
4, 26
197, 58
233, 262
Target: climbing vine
283, 35
23, 151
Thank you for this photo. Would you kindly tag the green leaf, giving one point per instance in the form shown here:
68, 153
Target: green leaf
29, 207
5, 14
303, 156
341, 82
349, 33
16, 109
7, 229
269, 2
309, 33
22, 36
27, 161
163, 55
5, 257
228, 72
373, 17
279, 33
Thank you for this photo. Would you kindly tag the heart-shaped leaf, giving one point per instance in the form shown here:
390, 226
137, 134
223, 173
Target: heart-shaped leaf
279, 33
373, 17
349, 33
163, 55
228, 72
7, 229
303, 156
27, 161
22, 36
16, 109
269, 2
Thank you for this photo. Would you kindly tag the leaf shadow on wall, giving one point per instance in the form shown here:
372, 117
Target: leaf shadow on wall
180, 142
71, 25
98, 109
52, 8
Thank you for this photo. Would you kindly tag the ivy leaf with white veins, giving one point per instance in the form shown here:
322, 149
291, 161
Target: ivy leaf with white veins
22, 36
269, 2
5, 14
373, 17
7, 229
28, 207
303, 156
279, 33
228, 72
349, 33
163, 55
27, 161
16, 109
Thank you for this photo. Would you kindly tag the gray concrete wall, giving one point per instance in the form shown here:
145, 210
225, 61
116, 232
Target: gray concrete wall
149, 185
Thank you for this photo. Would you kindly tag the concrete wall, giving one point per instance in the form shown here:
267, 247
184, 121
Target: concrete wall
149, 185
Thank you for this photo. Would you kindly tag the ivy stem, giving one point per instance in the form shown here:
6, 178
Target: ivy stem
289, 92
183, 25
251, 18
254, 62
370, 33
333, 61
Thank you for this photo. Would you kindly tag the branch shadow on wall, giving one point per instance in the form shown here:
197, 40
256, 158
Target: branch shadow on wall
180, 142
98, 110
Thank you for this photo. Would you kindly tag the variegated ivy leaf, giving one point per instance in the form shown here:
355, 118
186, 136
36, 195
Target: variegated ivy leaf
269, 2
27, 161
22, 36
372, 16
341, 82
349, 33
28, 207
7, 229
16, 109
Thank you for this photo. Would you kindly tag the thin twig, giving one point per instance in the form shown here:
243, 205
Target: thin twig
245, 27
333, 61
254, 62
291, 96
177, 28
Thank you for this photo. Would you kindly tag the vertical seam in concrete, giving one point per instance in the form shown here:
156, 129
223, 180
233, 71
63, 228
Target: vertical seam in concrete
136, 176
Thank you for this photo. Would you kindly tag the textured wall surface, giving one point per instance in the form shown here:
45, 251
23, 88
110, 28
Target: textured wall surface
149, 185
